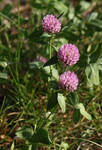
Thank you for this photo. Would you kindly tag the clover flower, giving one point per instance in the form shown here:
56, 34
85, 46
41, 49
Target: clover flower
68, 54
50, 24
68, 81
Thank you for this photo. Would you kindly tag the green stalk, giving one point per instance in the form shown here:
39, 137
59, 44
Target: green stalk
18, 47
50, 42
43, 123
19, 43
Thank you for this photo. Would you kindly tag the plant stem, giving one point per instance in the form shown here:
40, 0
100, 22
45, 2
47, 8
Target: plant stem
50, 56
18, 44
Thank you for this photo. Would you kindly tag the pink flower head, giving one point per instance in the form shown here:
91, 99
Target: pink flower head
50, 24
41, 59
68, 81
68, 54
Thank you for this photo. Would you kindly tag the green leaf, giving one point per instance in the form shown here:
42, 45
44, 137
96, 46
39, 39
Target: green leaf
52, 102
64, 145
84, 5
95, 55
51, 61
71, 12
73, 98
41, 136
76, 116
99, 63
95, 74
92, 73
12, 146
81, 107
58, 42
53, 85
60, 6
92, 16
100, 67
36, 65
55, 74
3, 75
3, 64
88, 73
69, 24
24, 133
45, 35
61, 101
